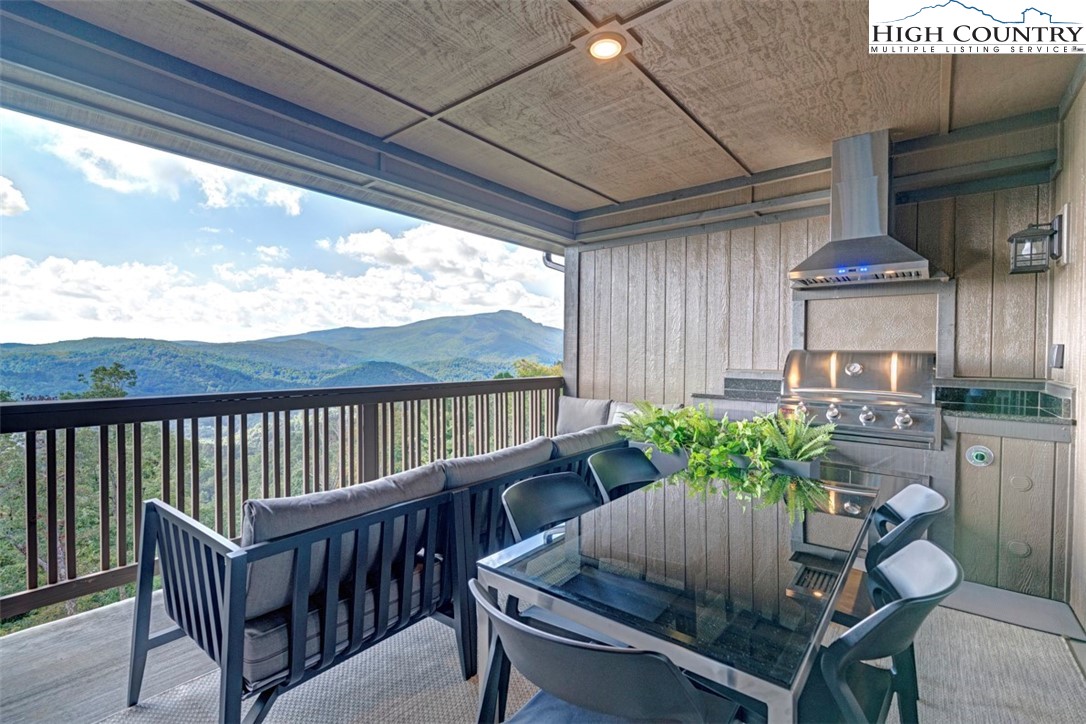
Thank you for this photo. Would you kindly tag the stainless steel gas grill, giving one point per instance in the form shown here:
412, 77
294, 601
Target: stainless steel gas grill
889, 429
872, 397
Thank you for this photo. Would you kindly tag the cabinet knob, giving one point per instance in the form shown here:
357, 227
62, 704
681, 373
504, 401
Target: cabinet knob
1019, 548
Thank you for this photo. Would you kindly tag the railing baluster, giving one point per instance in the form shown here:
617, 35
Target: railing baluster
122, 496
194, 465
265, 466
164, 468
51, 505
232, 475
277, 450
70, 531
218, 526
305, 450
103, 497
31, 522
244, 459
343, 475
325, 479
288, 486
137, 488
180, 465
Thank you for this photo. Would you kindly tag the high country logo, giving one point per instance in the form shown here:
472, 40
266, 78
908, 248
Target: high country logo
977, 26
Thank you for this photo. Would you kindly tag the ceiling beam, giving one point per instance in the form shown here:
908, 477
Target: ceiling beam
715, 187
740, 223
753, 208
1036, 119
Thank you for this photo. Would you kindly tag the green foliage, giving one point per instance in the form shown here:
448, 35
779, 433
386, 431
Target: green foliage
6, 396
689, 428
525, 367
504, 376
738, 455
104, 382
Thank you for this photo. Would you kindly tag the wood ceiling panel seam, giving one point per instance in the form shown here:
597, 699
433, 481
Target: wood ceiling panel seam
692, 120
401, 102
538, 165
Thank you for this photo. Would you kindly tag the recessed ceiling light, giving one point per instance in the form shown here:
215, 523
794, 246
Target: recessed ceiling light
606, 46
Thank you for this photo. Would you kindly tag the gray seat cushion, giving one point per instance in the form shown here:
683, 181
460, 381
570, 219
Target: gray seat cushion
579, 413
268, 586
266, 637
475, 468
577, 442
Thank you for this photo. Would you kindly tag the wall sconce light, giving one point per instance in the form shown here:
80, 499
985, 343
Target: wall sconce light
1035, 246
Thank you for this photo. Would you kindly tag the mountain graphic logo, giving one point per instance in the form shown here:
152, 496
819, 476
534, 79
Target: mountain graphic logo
934, 13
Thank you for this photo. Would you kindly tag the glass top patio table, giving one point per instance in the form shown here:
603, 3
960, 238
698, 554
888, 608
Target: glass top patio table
717, 586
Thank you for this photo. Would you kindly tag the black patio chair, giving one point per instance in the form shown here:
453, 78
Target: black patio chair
902, 519
621, 471
913, 582
536, 504
587, 682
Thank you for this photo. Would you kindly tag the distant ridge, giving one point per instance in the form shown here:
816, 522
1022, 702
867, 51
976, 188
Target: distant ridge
963, 6
446, 349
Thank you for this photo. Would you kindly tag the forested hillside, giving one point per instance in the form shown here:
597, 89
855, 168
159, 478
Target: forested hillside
445, 349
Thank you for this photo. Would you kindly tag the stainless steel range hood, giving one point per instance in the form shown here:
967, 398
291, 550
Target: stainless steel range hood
860, 251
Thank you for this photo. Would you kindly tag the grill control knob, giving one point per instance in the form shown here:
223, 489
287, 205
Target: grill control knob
866, 415
801, 408
832, 413
903, 419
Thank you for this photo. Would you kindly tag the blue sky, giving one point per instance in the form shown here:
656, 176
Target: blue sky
99, 237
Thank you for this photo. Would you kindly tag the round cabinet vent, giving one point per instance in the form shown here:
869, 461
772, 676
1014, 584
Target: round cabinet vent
980, 456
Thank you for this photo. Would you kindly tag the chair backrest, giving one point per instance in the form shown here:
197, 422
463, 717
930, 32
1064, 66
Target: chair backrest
535, 504
915, 580
621, 471
903, 519
627, 683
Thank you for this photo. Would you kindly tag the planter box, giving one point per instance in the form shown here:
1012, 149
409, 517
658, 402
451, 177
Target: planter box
800, 469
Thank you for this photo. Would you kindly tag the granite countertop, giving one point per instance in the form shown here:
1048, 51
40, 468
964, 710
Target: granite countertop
1046, 418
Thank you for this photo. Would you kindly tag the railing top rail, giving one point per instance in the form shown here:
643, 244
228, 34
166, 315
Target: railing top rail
58, 414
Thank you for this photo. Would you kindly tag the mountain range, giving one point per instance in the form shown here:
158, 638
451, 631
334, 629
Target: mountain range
445, 349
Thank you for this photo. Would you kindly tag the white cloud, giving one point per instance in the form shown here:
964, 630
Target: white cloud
60, 298
12, 202
272, 253
130, 168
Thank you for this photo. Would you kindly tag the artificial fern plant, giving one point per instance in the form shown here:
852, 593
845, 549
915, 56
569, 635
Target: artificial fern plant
713, 446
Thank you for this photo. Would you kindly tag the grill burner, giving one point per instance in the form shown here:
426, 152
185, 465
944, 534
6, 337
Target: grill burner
879, 397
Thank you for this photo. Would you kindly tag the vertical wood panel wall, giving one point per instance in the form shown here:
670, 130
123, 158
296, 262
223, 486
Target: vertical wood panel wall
1069, 323
663, 320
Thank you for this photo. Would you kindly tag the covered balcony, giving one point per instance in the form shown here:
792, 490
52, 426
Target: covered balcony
682, 182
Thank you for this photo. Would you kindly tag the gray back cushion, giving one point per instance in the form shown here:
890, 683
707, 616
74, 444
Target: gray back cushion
618, 412
269, 581
577, 442
579, 413
465, 471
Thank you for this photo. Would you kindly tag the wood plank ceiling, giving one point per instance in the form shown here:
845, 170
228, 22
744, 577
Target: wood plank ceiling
503, 90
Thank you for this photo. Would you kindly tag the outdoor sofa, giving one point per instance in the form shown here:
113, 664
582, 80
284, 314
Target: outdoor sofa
318, 578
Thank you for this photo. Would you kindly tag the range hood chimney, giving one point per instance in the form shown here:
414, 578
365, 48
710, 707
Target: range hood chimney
860, 251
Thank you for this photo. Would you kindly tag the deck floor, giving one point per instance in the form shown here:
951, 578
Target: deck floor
49, 674
75, 670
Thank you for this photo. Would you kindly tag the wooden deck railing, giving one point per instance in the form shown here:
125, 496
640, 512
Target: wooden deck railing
77, 472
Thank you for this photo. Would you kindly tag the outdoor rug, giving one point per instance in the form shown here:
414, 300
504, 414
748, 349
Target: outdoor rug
972, 669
